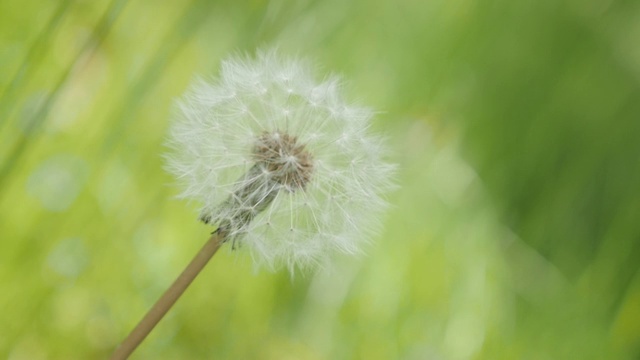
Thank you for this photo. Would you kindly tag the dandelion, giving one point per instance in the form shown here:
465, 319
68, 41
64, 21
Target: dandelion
281, 164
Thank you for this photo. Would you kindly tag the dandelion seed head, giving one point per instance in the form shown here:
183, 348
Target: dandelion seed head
279, 161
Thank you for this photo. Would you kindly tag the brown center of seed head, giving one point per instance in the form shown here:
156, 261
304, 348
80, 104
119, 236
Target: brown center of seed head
279, 157
287, 161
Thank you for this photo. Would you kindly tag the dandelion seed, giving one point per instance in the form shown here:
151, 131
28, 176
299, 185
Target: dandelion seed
279, 161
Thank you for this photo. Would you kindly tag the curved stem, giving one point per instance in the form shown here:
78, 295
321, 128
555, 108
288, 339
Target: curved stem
162, 306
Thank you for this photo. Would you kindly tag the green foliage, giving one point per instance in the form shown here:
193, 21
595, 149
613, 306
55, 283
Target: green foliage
515, 234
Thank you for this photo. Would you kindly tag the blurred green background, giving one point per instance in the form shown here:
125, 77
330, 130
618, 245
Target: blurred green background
515, 233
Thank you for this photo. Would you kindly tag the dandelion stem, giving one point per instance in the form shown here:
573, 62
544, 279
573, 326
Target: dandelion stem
162, 306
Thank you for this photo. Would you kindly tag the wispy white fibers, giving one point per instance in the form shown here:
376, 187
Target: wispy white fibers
279, 161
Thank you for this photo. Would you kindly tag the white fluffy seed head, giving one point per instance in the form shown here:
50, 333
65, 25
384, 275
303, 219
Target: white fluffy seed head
279, 161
